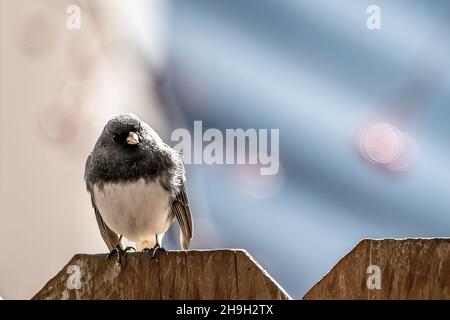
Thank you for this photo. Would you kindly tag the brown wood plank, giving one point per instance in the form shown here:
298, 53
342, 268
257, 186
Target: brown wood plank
194, 274
409, 269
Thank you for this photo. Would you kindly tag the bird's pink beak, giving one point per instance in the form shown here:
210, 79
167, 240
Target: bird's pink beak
132, 138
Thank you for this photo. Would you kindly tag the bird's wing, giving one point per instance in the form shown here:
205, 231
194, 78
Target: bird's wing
180, 209
110, 237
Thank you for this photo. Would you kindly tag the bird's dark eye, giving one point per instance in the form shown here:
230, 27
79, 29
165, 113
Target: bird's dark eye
119, 138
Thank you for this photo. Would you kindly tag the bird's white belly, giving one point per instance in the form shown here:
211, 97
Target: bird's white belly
139, 210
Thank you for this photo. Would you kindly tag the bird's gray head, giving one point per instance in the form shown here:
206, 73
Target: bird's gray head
124, 130
127, 150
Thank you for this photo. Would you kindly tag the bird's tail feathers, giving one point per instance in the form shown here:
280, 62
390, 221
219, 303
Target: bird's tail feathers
185, 242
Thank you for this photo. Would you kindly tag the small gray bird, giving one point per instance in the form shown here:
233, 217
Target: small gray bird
136, 183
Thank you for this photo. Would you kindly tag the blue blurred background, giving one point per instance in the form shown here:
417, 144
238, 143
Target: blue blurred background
315, 71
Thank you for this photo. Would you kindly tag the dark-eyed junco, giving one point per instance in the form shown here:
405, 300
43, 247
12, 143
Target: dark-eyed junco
136, 183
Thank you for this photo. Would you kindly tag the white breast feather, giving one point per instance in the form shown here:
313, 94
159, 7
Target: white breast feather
138, 210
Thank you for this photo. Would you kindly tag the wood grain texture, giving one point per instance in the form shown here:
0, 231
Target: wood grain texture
196, 274
410, 269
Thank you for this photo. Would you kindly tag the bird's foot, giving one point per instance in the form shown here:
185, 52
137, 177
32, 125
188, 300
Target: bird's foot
154, 251
119, 252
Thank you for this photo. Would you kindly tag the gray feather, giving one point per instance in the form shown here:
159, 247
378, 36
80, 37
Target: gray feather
180, 209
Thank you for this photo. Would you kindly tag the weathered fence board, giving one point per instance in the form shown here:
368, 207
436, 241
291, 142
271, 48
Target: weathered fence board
195, 274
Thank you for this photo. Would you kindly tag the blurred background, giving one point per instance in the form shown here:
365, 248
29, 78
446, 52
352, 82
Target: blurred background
363, 117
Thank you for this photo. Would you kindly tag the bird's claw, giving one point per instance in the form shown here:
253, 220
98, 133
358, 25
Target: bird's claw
120, 253
154, 251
